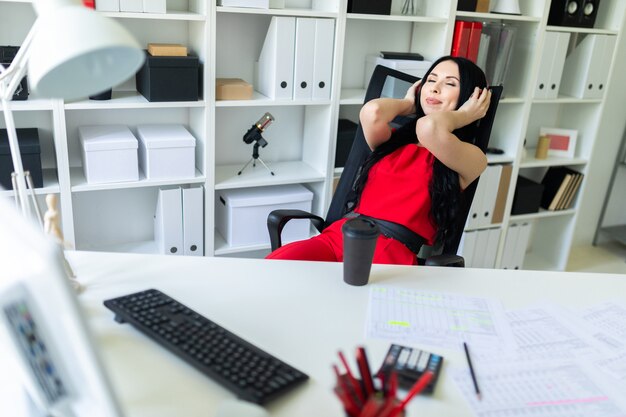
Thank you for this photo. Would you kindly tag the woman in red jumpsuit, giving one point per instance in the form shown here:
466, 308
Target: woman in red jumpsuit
416, 174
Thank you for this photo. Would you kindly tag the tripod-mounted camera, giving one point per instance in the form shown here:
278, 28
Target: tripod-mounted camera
254, 135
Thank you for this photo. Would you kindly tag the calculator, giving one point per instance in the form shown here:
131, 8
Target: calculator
409, 364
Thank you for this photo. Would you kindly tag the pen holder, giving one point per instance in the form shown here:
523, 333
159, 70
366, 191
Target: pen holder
377, 404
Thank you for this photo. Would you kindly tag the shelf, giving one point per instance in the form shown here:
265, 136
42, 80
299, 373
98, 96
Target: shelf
293, 172
170, 15
616, 233
500, 159
532, 162
397, 18
535, 262
543, 214
259, 99
35, 104
223, 248
129, 100
277, 12
79, 182
50, 184
581, 30
496, 16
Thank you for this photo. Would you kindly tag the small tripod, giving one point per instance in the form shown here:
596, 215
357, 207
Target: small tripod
255, 156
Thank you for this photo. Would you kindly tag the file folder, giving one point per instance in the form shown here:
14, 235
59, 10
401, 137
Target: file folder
473, 42
558, 62
473, 217
303, 58
521, 245
508, 254
602, 72
480, 250
587, 67
193, 221
491, 193
466, 247
274, 77
545, 65
323, 58
492, 248
168, 221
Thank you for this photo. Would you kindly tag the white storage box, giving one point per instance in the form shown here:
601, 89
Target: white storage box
154, 6
241, 214
108, 5
135, 6
109, 153
166, 151
393, 87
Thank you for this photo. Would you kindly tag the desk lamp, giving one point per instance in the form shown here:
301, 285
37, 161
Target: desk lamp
70, 52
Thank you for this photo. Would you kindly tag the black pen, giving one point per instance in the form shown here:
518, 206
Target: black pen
471, 368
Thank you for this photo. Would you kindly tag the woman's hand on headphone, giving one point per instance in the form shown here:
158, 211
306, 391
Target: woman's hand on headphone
410, 94
477, 105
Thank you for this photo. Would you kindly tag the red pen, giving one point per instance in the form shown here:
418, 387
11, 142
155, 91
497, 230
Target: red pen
353, 381
364, 369
415, 389
341, 383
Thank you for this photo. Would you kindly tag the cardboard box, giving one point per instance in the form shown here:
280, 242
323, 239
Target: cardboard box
167, 49
30, 151
166, 151
394, 87
232, 89
241, 214
109, 153
169, 78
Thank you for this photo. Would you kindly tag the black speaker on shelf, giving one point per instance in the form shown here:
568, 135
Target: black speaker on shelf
576, 13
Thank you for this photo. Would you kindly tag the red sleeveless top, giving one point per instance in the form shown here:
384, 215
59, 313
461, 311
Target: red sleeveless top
397, 190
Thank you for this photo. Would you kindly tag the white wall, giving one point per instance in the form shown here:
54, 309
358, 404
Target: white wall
612, 125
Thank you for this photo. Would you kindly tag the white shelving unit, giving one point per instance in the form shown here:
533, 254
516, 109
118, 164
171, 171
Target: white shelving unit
118, 217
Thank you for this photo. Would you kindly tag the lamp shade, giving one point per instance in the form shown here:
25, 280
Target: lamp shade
76, 53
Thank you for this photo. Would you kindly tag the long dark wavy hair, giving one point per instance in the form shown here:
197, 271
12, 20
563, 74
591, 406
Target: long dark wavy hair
447, 202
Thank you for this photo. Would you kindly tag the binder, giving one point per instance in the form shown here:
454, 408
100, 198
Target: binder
466, 246
274, 75
131, 6
193, 221
521, 245
154, 6
571, 192
489, 196
558, 61
483, 49
473, 217
555, 182
473, 42
168, 221
583, 71
503, 191
555, 204
546, 65
480, 250
508, 254
460, 39
323, 58
601, 68
303, 58
492, 247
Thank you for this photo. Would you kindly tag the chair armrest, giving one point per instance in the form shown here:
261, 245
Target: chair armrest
277, 219
446, 260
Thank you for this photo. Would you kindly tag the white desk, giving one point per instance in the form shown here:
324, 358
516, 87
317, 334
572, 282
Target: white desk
302, 313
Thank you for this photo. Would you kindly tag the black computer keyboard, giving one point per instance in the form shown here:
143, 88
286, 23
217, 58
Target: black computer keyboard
252, 374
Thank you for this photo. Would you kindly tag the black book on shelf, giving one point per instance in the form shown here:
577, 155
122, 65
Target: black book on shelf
556, 182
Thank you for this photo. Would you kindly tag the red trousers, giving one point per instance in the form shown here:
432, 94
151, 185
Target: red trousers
328, 246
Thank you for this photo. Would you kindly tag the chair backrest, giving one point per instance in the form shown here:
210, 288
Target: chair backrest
383, 81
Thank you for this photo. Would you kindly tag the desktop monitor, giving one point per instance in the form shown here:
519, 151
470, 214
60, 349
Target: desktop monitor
42, 329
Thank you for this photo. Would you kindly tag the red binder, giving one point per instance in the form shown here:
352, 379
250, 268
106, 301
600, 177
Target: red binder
473, 43
460, 38
90, 3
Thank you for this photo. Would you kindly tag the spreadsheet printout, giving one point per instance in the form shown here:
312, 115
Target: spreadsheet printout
436, 318
565, 389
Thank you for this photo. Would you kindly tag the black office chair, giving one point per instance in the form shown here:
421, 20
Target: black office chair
442, 256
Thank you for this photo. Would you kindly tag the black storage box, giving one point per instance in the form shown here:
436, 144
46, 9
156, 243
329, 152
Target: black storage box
7, 53
169, 78
467, 5
369, 6
345, 137
527, 196
28, 140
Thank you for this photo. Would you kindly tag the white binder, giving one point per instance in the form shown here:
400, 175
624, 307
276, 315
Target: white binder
492, 248
274, 77
521, 245
480, 250
473, 217
508, 255
168, 221
580, 65
135, 6
323, 58
466, 247
108, 5
490, 195
558, 61
155, 6
303, 58
600, 74
193, 221
545, 65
